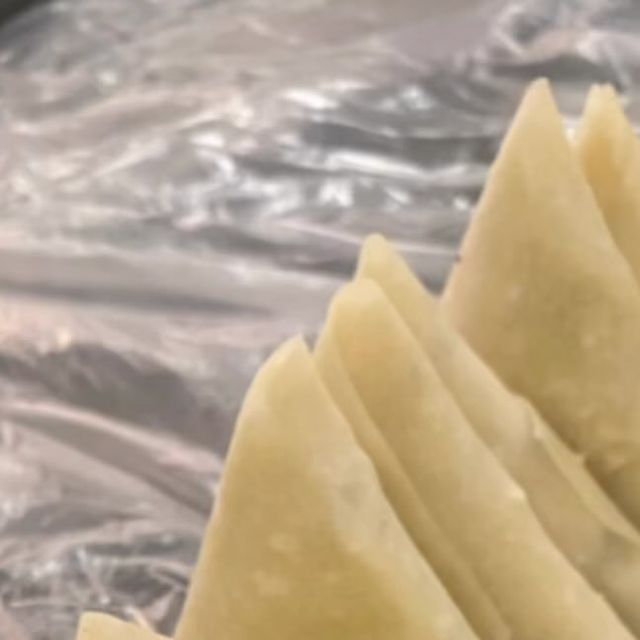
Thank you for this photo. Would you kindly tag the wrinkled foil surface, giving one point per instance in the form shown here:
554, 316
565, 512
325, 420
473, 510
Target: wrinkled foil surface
184, 184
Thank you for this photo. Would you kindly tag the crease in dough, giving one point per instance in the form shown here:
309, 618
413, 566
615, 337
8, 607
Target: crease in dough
471, 496
455, 574
303, 543
543, 295
576, 513
609, 151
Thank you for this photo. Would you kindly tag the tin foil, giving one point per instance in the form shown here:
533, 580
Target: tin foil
185, 183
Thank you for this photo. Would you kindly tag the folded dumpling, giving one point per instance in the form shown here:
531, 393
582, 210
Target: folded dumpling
100, 626
303, 543
576, 513
543, 295
610, 155
478, 505
455, 574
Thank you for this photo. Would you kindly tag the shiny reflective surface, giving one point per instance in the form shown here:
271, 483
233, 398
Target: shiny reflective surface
184, 184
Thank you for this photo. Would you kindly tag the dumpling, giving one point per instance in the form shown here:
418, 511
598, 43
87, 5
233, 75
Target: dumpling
574, 510
482, 510
543, 295
455, 574
610, 155
99, 626
303, 543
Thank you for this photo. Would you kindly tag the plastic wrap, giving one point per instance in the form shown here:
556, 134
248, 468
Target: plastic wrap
184, 184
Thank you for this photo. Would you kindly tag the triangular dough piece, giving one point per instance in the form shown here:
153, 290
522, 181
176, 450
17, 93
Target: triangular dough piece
100, 626
456, 575
477, 504
576, 513
610, 154
542, 293
303, 543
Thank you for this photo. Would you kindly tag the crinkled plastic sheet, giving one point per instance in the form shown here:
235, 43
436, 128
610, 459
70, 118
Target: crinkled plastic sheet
184, 184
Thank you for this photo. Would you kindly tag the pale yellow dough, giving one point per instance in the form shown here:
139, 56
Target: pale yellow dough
303, 543
395, 448
543, 295
454, 572
574, 510
610, 154
100, 626
477, 504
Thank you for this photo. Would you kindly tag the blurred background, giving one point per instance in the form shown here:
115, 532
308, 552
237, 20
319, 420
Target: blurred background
183, 183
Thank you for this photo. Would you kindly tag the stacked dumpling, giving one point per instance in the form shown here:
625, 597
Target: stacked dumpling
456, 469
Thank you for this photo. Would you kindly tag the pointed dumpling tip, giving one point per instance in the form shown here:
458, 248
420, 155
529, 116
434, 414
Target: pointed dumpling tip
539, 91
374, 243
537, 132
100, 626
601, 98
540, 85
277, 365
373, 247
604, 131
609, 90
291, 348
361, 292
538, 99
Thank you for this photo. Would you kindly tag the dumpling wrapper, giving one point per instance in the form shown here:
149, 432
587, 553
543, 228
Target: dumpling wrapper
453, 571
100, 626
543, 295
610, 155
477, 504
576, 513
303, 543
